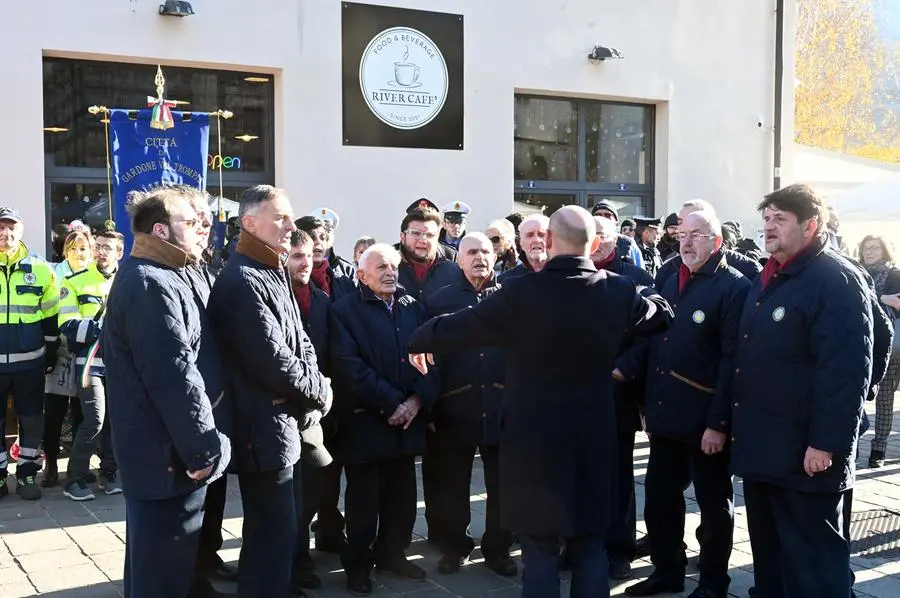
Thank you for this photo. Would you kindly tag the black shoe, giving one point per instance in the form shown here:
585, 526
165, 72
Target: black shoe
641, 548
619, 569
201, 588
51, 474
448, 565
876, 459
752, 593
503, 566
702, 592
308, 580
401, 568
653, 586
331, 543
358, 582
224, 571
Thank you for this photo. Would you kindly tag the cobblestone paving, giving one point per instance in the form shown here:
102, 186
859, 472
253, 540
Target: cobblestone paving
59, 548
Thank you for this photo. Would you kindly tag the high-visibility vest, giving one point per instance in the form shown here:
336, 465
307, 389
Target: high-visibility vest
29, 303
82, 296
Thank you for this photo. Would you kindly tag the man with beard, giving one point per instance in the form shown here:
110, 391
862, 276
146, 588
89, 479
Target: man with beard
152, 339
380, 428
668, 244
688, 371
532, 239
275, 382
467, 419
445, 251
315, 465
422, 269
333, 280
558, 438
454, 229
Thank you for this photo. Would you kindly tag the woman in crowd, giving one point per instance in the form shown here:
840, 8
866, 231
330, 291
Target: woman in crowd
361, 245
877, 257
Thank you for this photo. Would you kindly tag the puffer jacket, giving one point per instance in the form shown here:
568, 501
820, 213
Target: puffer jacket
160, 412
273, 375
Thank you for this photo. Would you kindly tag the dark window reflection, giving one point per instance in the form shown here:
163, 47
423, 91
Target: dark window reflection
546, 139
617, 143
70, 86
541, 203
626, 205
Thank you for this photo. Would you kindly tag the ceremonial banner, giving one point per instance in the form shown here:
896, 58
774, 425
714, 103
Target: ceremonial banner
145, 156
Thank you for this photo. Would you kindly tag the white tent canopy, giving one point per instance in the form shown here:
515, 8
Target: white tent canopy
875, 201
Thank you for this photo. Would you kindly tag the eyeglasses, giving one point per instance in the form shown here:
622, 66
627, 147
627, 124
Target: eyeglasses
419, 234
496, 239
694, 236
106, 248
190, 222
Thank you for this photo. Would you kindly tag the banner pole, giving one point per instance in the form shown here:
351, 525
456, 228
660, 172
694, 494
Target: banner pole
220, 114
95, 110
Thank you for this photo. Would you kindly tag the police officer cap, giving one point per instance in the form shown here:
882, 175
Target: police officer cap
605, 205
422, 202
644, 222
7, 213
456, 207
327, 215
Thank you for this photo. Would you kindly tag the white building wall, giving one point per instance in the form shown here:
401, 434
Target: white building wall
707, 65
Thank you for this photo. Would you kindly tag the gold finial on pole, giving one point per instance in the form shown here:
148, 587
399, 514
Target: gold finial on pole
160, 82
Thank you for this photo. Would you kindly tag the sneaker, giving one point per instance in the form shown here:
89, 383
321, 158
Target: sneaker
109, 483
78, 491
27, 488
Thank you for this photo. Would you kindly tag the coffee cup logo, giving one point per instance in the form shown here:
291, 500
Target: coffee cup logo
403, 78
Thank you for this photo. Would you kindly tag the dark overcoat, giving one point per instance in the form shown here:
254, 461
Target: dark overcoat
802, 370
562, 329
372, 376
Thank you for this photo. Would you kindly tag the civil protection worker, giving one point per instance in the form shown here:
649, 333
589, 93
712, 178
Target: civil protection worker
29, 338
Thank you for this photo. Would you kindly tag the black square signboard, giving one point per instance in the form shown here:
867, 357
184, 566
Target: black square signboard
402, 77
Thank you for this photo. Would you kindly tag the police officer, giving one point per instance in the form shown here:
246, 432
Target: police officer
687, 408
81, 309
454, 229
645, 235
29, 334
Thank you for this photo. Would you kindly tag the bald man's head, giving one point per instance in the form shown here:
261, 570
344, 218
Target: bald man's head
572, 232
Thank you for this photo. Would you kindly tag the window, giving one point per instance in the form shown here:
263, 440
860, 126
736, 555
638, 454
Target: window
579, 151
75, 144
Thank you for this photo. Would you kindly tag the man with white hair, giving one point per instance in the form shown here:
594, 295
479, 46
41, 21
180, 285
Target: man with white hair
380, 429
532, 238
558, 436
502, 234
750, 268
687, 371
467, 419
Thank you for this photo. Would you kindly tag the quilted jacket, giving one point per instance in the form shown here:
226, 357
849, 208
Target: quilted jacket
273, 375
160, 412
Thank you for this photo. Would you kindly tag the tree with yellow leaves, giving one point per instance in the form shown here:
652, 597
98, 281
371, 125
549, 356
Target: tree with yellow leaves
839, 60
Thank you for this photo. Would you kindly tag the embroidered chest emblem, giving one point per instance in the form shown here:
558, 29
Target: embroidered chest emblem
778, 314
698, 316
30, 278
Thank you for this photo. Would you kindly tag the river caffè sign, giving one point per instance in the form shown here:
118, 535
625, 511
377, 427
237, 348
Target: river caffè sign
402, 77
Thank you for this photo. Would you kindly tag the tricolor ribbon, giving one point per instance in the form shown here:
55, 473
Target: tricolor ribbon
161, 117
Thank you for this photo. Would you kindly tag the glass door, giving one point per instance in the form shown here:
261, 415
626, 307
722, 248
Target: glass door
542, 203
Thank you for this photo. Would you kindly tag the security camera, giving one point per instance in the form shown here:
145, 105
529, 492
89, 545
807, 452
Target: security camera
760, 122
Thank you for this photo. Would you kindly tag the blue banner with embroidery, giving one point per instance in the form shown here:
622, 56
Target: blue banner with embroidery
144, 157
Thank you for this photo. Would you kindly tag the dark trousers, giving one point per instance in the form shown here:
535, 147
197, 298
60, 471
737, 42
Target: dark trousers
89, 436
431, 478
330, 522
847, 515
797, 540
622, 537
587, 554
211, 531
269, 532
55, 409
307, 492
380, 511
27, 389
161, 539
669, 473
455, 466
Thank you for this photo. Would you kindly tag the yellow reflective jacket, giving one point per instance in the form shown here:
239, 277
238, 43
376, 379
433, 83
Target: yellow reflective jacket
81, 299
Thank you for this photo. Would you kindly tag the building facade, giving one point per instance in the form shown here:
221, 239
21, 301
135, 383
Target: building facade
687, 112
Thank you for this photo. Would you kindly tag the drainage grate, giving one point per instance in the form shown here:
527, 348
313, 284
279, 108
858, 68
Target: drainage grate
875, 534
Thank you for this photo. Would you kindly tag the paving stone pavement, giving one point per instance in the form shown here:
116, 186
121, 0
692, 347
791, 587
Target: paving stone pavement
62, 549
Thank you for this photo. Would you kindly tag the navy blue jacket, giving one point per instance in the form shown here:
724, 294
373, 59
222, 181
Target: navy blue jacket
343, 276
558, 430
468, 411
802, 370
274, 378
519, 270
750, 268
372, 376
442, 273
688, 368
159, 408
